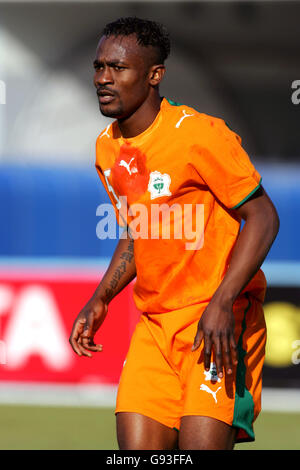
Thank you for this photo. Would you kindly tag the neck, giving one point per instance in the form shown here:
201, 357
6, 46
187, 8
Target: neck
142, 118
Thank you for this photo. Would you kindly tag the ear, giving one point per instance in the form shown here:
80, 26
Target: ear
156, 74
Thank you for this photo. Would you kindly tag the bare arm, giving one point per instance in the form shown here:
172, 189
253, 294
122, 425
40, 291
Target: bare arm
216, 326
254, 242
119, 274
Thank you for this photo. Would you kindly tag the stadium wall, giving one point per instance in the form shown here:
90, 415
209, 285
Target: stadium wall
51, 212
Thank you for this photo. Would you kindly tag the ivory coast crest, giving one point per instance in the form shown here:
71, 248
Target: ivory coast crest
159, 184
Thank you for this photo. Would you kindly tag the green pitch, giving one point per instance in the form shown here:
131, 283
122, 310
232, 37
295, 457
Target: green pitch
36, 427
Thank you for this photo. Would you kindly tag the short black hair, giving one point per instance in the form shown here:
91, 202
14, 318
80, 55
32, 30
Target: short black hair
148, 33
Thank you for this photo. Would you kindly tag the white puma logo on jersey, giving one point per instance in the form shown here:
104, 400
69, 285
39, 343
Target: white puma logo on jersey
127, 166
185, 115
205, 388
105, 132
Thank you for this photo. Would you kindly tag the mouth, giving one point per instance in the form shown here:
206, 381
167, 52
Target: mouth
105, 96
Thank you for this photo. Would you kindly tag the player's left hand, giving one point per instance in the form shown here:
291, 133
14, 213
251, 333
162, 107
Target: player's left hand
216, 329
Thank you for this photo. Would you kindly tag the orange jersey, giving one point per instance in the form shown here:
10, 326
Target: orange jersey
190, 167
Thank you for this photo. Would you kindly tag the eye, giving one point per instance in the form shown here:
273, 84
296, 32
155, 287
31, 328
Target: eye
118, 67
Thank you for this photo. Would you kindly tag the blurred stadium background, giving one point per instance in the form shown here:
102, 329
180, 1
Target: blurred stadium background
233, 59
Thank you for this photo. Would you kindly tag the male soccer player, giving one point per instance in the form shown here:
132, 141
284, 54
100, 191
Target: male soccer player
192, 376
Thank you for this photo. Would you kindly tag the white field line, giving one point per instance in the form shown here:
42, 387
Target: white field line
278, 399
58, 395
12, 393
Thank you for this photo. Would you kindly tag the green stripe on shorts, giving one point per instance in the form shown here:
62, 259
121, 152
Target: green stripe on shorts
243, 406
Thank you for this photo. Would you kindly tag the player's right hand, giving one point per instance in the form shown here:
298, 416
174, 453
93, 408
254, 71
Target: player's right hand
85, 327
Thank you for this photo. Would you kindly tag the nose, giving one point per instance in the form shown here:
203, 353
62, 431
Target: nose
103, 76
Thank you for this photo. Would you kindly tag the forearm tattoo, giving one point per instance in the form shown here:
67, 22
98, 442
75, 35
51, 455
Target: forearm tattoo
126, 259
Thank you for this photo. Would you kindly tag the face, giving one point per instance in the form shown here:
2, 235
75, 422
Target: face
123, 77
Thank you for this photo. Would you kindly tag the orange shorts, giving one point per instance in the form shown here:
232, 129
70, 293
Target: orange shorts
163, 380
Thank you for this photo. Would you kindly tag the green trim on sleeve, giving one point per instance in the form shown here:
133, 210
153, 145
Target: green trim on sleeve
249, 195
